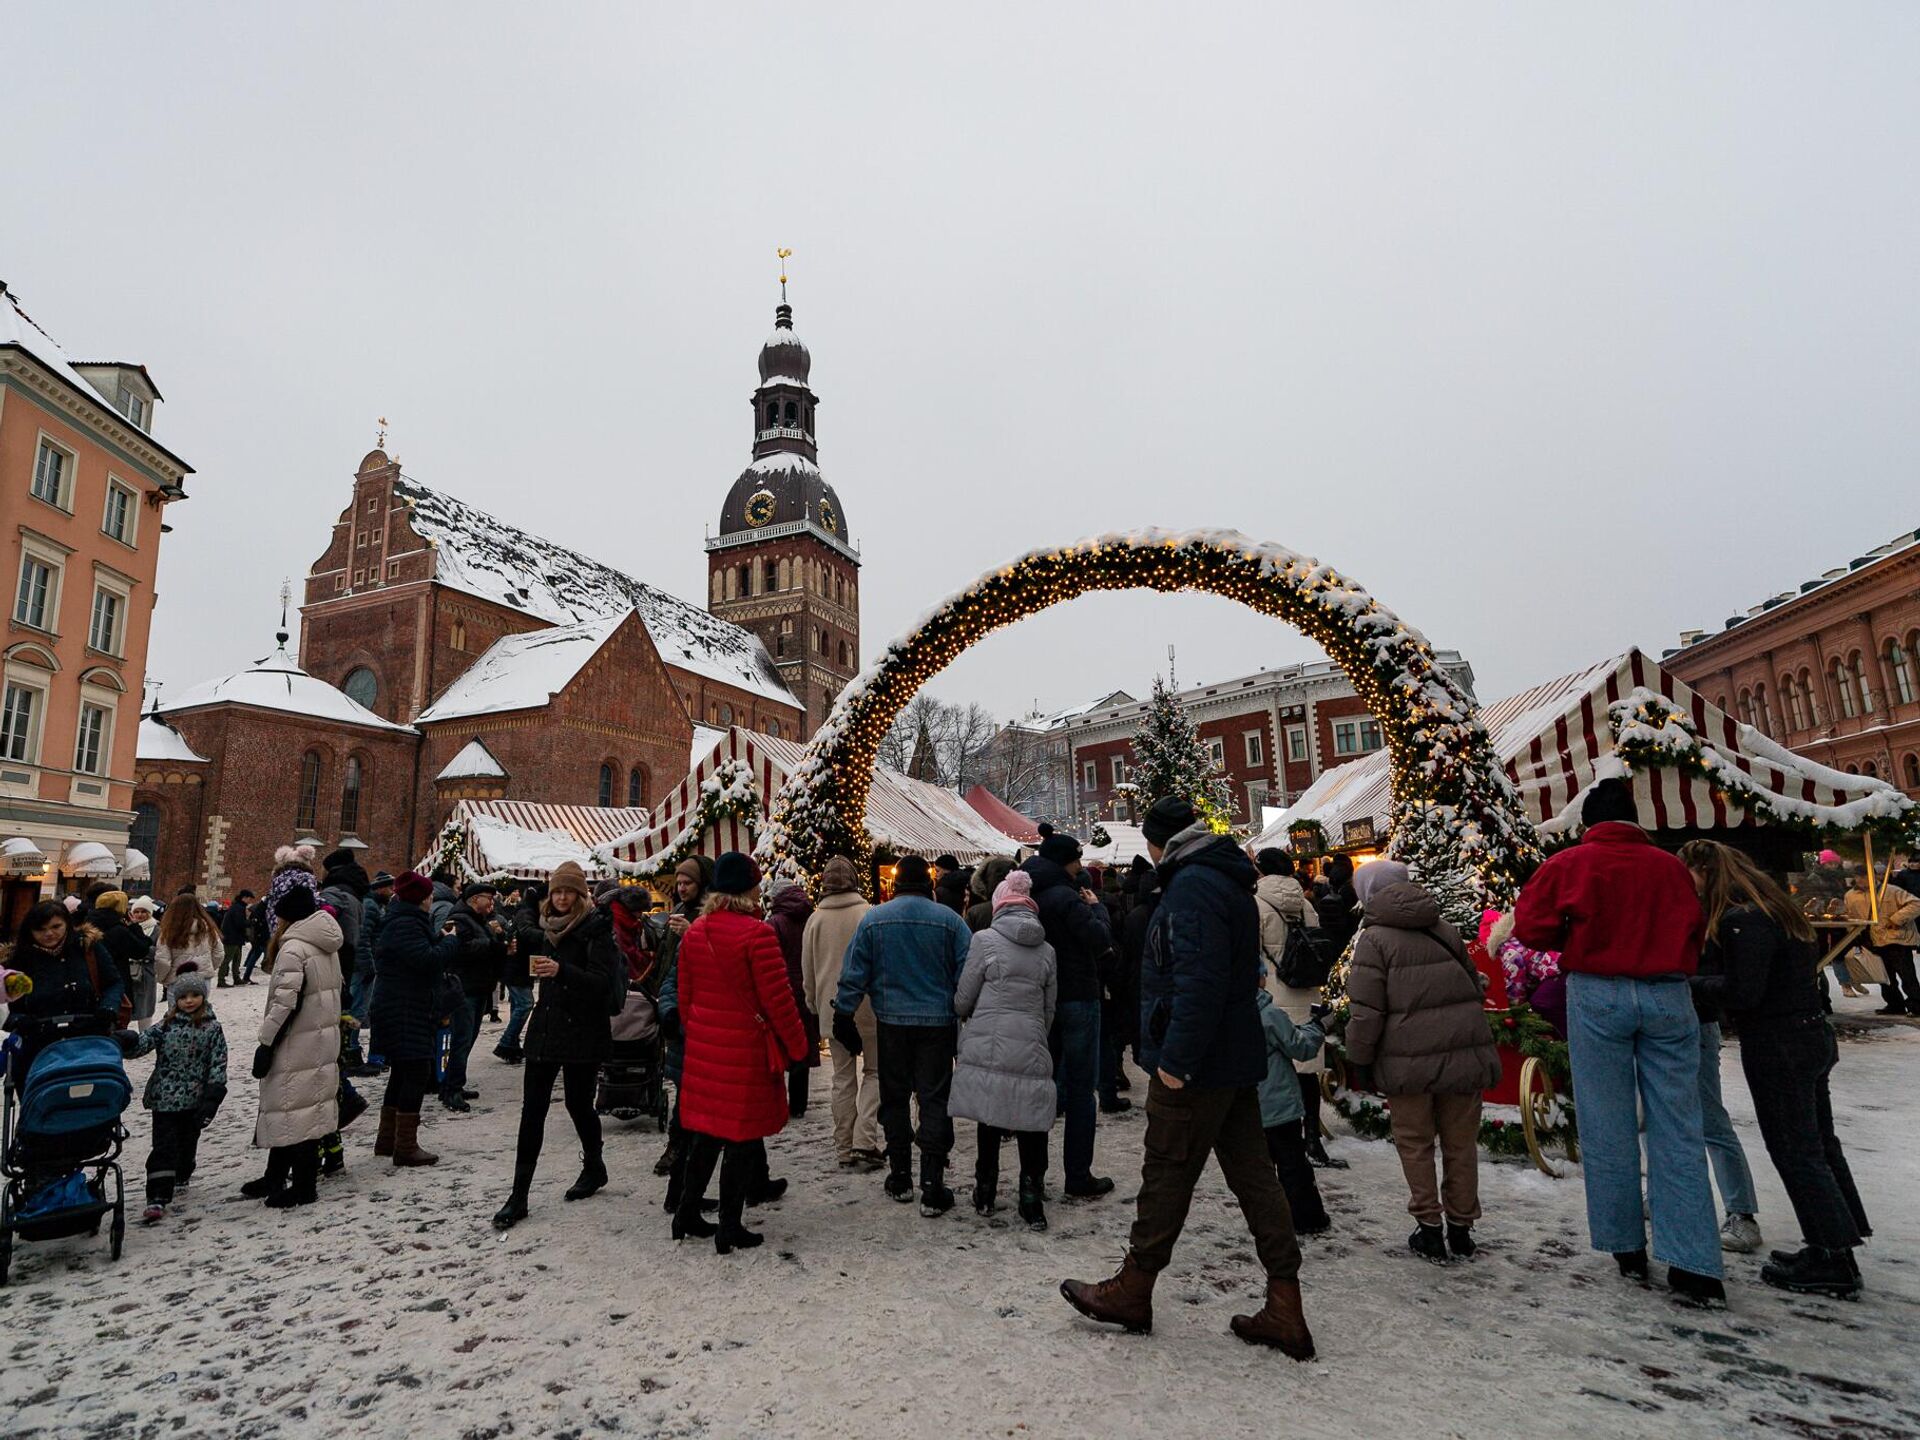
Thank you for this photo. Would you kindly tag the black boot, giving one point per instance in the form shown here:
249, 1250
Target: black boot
515, 1210
1032, 1210
900, 1177
762, 1188
986, 1174
279, 1165
303, 1186
698, 1155
1318, 1157
1460, 1241
1429, 1243
1633, 1265
1816, 1272
1702, 1292
935, 1198
736, 1171
593, 1175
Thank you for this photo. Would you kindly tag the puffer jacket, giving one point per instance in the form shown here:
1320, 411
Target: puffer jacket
823, 948
407, 966
299, 1098
201, 953
906, 955
1201, 969
788, 914
192, 1060
987, 876
570, 1024
1081, 934
1288, 1047
1418, 1012
1899, 922
1283, 903
733, 991
1003, 1075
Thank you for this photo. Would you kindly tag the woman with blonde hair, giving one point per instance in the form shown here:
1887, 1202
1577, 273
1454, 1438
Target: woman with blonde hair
1768, 986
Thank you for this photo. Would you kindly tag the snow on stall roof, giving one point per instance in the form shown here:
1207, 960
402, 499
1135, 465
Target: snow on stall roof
484, 556
524, 672
160, 741
474, 762
278, 683
705, 737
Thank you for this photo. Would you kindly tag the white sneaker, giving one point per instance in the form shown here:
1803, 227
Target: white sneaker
1740, 1234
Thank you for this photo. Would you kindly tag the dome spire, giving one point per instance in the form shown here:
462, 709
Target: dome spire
783, 253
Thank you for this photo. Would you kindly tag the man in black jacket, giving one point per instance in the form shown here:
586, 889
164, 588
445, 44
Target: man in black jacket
1202, 1038
1082, 939
478, 963
233, 938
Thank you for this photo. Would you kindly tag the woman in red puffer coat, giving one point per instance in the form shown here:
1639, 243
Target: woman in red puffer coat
742, 1030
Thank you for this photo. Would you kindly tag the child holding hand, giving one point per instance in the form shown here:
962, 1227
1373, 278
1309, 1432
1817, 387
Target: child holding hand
184, 1092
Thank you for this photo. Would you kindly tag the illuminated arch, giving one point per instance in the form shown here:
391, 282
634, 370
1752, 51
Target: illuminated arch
1456, 816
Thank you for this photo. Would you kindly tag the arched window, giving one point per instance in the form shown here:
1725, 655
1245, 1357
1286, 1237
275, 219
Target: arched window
746, 580
733, 580
773, 729
1861, 686
1746, 707
713, 713
845, 659
145, 836
350, 784
307, 814
726, 714
793, 413
773, 413
785, 573
1853, 769
1815, 714
840, 588
718, 587
1870, 770
1899, 672
637, 786
1764, 710
362, 686
1790, 703
1843, 695
606, 784
459, 634
1912, 767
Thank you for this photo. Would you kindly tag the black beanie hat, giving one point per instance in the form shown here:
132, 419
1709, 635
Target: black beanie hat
294, 906
735, 873
1060, 847
911, 873
336, 860
1610, 799
1274, 861
1166, 818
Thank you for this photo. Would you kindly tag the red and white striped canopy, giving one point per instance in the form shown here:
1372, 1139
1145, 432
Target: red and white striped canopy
526, 839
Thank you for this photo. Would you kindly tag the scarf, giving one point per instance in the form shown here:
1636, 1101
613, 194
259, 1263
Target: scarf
556, 925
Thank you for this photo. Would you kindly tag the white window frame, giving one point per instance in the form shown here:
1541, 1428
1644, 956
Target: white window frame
38, 682
116, 637
1256, 747
54, 557
1090, 774
1119, 769
68, 473
102, 758
96, 697
1297, 750
117, 486
1217, 753
1370, 730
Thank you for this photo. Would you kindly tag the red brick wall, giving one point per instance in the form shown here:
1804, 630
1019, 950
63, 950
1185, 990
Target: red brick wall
808, 610
1230, 730
179, 792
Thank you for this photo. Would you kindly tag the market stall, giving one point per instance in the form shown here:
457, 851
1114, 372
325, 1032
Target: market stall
526, 840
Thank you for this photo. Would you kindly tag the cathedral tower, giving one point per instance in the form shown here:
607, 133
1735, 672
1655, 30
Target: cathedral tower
783, 565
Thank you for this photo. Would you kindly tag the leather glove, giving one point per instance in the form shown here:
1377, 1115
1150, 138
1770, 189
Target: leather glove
846, 1032
262, 1061
670, 1026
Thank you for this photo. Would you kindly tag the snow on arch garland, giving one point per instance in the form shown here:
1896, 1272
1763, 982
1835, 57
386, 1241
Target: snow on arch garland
1456, 816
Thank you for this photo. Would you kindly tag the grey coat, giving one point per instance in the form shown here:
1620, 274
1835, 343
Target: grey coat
1004, 1072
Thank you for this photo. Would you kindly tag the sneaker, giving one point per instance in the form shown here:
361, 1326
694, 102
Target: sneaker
455, 1101
1832, 1273
1740, 1234
152, 1213
1318, 1157
1700, 1292
1460, 1241
1429, 1243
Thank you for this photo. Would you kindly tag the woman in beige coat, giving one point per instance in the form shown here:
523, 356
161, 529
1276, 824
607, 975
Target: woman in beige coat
856, 1080
298, 1058
1282, 902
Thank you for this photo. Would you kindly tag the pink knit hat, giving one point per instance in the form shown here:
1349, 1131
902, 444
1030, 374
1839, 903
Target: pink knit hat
1016, 889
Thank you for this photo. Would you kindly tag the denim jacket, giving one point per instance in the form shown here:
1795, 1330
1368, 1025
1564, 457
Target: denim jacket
906, 955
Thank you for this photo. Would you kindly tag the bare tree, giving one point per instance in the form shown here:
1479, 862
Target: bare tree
963, 745
1025, 767
896, 747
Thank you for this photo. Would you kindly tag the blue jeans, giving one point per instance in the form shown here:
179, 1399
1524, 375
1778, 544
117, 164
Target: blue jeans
1075, 1072
519, 1006
362, 988
466, 1029
1639, 1041
1730, 1170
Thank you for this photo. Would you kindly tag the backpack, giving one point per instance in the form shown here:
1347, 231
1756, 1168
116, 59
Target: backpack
1307, 959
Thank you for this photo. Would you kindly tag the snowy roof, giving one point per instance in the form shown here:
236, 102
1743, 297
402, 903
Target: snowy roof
278, 683
474, 762
484, 556
1002, 816
523, 672
705, 737
527, 839
160, 741
1124, 843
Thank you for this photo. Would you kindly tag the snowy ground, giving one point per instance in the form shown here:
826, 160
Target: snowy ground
391, 1308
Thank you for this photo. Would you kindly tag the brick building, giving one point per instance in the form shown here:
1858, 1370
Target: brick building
83, 487
446, 654
1271, 735
1831, 669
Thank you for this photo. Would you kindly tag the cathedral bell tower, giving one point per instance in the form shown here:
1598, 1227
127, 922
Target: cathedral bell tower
782, 564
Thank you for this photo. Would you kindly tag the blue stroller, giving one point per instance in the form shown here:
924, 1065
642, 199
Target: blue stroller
60, 1138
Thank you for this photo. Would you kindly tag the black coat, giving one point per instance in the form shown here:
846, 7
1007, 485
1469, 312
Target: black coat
124, 942
233, 924
1757, 973
407, 966
1133, 949
482, 957
1082, 939
63, 984
570, 1024
1200, 1021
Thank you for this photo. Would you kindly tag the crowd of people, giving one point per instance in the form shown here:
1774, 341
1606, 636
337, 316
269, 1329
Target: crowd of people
1009, 995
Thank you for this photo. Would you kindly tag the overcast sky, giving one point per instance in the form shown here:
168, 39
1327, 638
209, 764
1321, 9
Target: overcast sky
1561, 330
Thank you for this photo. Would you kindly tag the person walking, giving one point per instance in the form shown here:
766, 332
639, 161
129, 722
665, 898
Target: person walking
1626, 923
478, 964
233, 938
147, 987
572, 961
187, 1087
788, 910
987, 876
125, 942
1003, 1075
742, 1031
1082, 939
1759, 968
187, 941
516, 975
259, 927
906, 957
1201, 1036
856, 1074
1284, 904
1417, 1015
405, 1014
297, 1055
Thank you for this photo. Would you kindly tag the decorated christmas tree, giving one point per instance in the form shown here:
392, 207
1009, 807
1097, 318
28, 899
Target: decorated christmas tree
1169, 759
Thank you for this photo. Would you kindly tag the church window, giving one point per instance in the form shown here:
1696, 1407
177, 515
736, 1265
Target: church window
637, 785
840, 589
459, 634
773, 729
845, 659
733, 579
606, 785
307, 813
393, 569
350, 796
713, 713
145, 836
785, 572
793, 413
726, 714
717, 583
362, 686
743, 581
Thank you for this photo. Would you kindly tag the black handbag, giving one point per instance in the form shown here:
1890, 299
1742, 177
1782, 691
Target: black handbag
263, 1054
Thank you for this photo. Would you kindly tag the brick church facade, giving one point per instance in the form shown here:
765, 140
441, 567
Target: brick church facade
444, 653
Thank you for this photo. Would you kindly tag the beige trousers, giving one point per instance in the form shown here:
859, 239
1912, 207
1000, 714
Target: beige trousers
1453, 1123
856, 1089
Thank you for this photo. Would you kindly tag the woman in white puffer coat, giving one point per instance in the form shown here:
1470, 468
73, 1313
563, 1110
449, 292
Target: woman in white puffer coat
298, 1058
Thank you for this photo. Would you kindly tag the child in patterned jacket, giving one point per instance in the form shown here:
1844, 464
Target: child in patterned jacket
188, 1083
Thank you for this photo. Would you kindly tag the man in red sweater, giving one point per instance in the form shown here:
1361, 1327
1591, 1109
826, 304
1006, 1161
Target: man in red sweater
1624, 917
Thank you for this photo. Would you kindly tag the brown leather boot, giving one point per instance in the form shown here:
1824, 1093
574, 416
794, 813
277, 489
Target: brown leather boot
406, 1142
1280, 1322
1125, 1300
383, 1142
